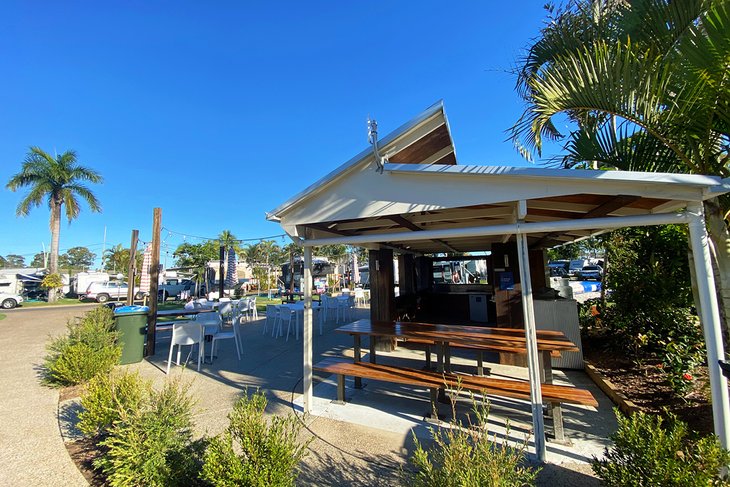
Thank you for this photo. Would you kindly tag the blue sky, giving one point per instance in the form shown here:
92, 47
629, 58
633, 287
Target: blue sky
217, 115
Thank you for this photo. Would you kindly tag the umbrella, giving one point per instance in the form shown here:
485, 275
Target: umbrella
144, 283
355, 269
231, 272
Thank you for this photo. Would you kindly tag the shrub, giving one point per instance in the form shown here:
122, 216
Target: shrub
109, 397
90, 348
647, 453
264, 454
150, 443
463, 455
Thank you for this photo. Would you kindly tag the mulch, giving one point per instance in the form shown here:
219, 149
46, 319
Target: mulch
645, 384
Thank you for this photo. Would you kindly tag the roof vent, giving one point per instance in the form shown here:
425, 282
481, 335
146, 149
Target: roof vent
373, 139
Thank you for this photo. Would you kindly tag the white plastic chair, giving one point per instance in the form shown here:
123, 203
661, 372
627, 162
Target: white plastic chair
242, 309
359, 296
223, 334
211, 323
190, 333
252, 311
288, 314
272, 314
345, 307
329, 304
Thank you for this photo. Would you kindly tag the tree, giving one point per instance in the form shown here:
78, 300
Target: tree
3, 262
264, 257
56, 181
39, 260
646, 86
14, 260
116, 259
77, 258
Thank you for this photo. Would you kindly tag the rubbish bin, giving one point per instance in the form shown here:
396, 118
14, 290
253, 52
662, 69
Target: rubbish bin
131, 323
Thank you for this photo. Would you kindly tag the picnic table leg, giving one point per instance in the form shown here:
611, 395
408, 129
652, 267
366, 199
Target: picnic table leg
428, 357
554, 409
372, 349
442, 346
433, 413
340, 389
480, 364
447, 357
358, 356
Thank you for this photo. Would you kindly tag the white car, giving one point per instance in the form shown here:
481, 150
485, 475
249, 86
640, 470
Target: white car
101, 292
10, 301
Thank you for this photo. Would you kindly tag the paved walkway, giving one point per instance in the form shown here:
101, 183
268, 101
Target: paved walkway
32, 451
343, 452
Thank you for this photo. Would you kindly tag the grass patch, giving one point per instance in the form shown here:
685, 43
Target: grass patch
59, 302
2, 317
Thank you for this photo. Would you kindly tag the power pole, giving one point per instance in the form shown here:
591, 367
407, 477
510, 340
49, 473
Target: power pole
154, 281
132, 267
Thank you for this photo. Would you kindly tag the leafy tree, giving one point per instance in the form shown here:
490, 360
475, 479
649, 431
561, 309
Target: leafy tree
116, 259
14, 260
264, 257
196, 255
3, 262
56, 181
39, 260
78, 258
645, 86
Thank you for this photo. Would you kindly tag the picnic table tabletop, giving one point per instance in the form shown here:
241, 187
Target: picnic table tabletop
508, 339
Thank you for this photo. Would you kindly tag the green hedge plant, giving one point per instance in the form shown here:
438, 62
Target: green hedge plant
108, 397
651, 451
149, 441
463, 455
88, 349
255, 452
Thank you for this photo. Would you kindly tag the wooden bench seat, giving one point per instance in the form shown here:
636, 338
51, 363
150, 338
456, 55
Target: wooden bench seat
517, 389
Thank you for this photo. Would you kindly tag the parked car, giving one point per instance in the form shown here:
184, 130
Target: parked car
173, 287
101, 292
591, 272
10, 301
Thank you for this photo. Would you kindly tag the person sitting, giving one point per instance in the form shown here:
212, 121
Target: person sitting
190, 303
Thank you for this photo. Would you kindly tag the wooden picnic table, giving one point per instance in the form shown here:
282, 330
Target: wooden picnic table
511, 340
480, 338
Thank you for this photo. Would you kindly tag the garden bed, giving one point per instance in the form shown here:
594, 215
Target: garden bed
646, 386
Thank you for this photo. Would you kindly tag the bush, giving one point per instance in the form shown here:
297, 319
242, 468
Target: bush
89, 349
463, 455
108, 398
149, 443
647, 453
264, 454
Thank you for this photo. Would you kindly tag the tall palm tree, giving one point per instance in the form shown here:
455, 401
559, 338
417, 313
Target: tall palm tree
647, 85
57, 181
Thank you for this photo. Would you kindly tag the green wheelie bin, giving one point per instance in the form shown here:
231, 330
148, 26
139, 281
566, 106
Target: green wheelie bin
131, 323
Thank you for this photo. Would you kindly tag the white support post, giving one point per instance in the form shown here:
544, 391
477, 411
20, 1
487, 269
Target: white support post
307, 331
710, 317
533, 359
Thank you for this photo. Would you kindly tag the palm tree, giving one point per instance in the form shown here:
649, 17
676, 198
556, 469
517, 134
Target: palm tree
647, 86
57, 181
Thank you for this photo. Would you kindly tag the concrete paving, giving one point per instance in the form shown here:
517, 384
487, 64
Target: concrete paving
364, 442
32, 451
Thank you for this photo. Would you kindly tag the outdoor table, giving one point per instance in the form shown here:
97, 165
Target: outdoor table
510, 340
182, 312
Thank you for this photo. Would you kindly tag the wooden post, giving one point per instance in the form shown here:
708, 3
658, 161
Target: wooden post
132, 267
382, 292
221, 275
154, 281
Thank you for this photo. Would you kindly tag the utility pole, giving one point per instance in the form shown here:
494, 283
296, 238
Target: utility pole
132, 267
154, 281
